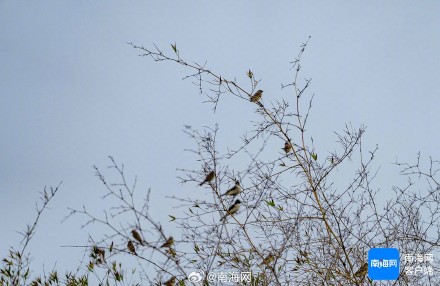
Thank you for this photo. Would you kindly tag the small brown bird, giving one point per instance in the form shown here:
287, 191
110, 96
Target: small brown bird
137, 236
168, 243
257, 96
232, 210
268, 259
131, 248
287, 147
170, 282
209, 178
102, 253
99, 254
235, 190
362, 270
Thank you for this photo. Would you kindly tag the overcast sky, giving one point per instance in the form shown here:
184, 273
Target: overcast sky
73, 92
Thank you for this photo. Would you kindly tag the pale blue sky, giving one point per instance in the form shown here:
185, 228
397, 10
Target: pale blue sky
72, 91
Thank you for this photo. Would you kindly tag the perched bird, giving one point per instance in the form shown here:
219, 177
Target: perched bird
208, 178
362, 270
170, 282
235, 190
137, 236
131, 248
287, 147
98, 254
102, 255
257, 96
268, 259
232, 209
169, 242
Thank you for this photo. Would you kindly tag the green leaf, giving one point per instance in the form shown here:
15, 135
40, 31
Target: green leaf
270, 203
174, 47
172, 218
315, 156
250, 74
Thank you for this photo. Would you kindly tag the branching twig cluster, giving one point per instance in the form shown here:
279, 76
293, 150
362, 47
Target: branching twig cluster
275, 205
